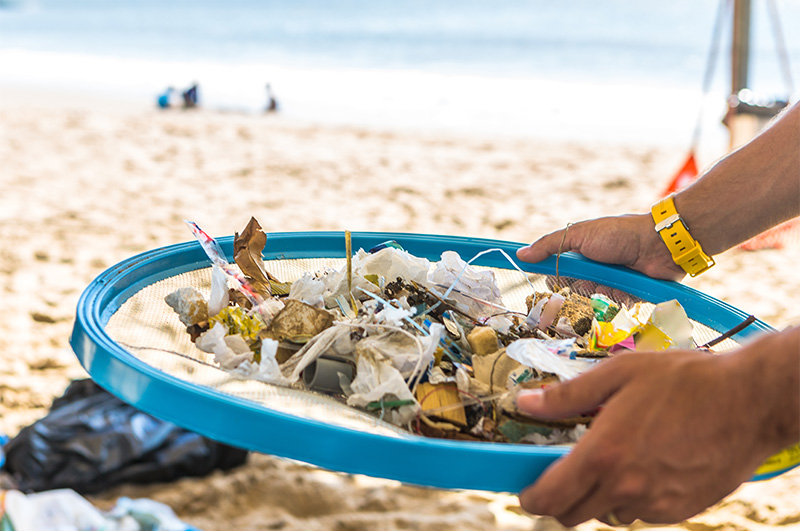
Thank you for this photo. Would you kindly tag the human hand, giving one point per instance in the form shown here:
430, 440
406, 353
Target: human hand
625, 240
676, 433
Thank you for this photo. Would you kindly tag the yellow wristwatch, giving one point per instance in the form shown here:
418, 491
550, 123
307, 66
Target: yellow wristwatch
685, 250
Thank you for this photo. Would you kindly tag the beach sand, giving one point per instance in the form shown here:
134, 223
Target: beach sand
83, 189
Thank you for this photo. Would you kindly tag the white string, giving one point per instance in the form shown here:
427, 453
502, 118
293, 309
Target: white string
417, 372
464, 269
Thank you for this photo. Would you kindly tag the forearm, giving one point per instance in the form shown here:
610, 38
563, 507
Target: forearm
744, 194
748, 191
769, 372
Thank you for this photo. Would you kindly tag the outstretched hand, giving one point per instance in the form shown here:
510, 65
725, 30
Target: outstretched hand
625, 240
675, 435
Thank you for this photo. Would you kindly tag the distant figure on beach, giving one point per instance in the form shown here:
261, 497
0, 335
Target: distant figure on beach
190, 97
272, 103
164, 98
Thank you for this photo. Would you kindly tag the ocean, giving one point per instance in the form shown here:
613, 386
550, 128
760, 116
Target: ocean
612, 70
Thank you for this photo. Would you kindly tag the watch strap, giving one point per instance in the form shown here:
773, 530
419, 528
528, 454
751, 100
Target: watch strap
685, 250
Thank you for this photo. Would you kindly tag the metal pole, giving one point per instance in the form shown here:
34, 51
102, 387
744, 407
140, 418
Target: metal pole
741, 125
740, 53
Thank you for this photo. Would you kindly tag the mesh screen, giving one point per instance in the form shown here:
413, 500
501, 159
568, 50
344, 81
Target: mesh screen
151, 331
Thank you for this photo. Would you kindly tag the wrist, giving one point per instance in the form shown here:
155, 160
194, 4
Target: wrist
651, 240
655, 259
699, 219
768, 372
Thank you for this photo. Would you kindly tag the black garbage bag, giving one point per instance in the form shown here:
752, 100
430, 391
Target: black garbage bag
91, 441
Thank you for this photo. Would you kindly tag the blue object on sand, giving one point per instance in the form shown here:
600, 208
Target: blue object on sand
125, 305
163, 99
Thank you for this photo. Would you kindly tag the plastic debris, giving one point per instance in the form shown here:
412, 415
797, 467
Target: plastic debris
451, 270
384, 245
90, 441
548, 356
604, 308
66, 510
391, 263
667, 327
329, 375
427, 346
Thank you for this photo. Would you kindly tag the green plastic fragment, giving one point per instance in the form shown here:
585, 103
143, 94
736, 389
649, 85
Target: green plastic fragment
515, 431
389, 404
604, 308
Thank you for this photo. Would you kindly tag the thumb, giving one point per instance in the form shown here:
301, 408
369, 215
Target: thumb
574, 397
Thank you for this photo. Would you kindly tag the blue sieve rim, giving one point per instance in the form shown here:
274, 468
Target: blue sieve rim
423, 461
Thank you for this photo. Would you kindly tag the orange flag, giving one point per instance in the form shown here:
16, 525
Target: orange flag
685, 176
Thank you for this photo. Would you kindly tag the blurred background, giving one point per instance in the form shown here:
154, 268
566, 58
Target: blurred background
584, 70
503, 119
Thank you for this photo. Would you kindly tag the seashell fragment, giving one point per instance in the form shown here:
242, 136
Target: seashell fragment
189, 304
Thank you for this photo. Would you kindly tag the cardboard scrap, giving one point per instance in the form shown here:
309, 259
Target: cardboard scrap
436, 396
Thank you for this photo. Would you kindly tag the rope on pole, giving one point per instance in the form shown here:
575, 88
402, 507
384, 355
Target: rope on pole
780, 45
711, 62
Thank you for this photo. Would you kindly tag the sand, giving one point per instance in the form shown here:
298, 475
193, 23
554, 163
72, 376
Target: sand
83, 189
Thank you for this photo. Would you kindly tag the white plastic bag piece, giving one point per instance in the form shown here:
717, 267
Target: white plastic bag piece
559, 436
500, 323
437, 376
229, 351
377, 379
407, 354
334, 340
391, 263
308, 289
220, 297
269, 308
541, 355
462, 380
336, 286
60, 509
392, 315
267, 370
144, 514
451, 269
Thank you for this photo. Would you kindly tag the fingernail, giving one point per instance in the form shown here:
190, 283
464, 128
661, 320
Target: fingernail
532, 397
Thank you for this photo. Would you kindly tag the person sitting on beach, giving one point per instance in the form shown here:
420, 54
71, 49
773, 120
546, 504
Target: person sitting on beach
679, 430
272, 103
164, 98
190, 97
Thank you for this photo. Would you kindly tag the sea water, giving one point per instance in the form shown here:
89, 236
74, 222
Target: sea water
609, 70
